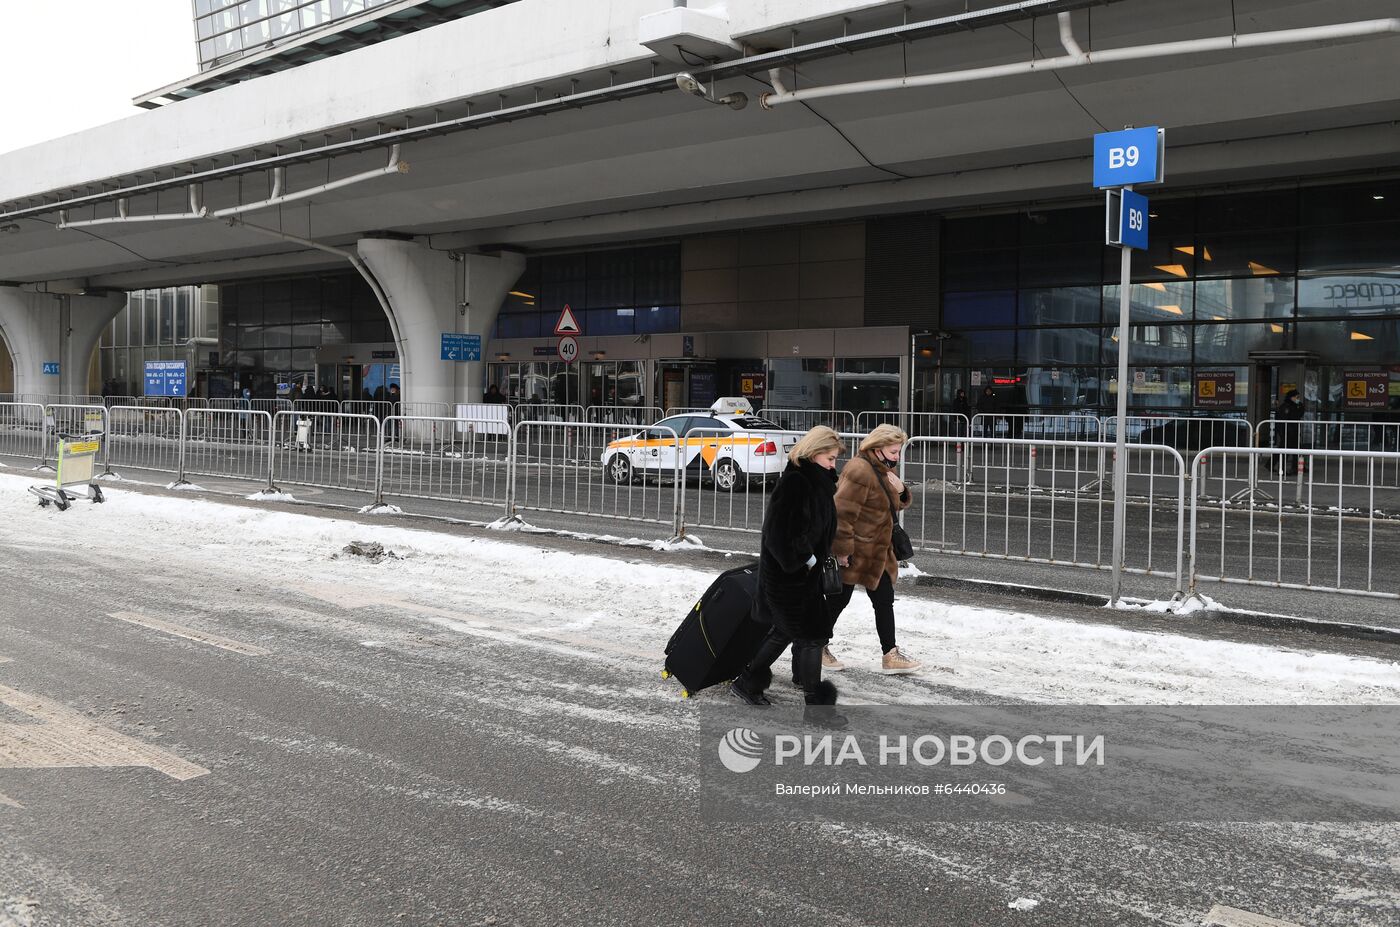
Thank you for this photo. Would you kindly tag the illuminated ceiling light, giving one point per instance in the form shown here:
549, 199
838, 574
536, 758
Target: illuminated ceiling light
530, 302
1176, 270
1358, 336
1259, 270
1152, 215
521, 295
1159, 287
1218, 318
1174, 310
1378, 196
1276, 328
1186, 249
1114, 339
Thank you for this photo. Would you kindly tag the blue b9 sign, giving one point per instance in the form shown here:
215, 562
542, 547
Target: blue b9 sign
1134, 219
1132, 156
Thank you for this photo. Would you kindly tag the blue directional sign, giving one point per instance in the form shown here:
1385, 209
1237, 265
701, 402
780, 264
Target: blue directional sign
165, 378
459, 347
1126, 219
1134, 220
1128, 157
51, 368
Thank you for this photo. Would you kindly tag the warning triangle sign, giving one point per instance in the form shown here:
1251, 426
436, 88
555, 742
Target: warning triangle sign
567, 324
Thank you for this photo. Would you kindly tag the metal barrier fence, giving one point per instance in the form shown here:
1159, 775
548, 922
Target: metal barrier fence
572, 468
326, 449
917, 424
146, 438
725, 475
548, 412
623, 415
378, 408
1046, 515
58, 399
1321, 526
1333, 540
424, 409
1292, 440
22, 432
1020, 438
451, 459
319, 405
801, 420
228, 443
1188, 434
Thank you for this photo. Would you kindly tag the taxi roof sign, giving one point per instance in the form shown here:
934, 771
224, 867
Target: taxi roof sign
732, 405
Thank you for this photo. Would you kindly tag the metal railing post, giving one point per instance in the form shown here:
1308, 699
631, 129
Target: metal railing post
180, 456
271, 446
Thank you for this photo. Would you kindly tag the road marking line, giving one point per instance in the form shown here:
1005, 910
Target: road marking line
1234, 917
67, 739
9, 802
214, 640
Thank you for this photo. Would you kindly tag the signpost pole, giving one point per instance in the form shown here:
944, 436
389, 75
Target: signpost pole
1120, 453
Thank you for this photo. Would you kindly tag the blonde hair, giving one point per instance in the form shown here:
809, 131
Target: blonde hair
819, 440
883, 436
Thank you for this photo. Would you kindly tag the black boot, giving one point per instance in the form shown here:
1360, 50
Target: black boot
820, 710
749, 685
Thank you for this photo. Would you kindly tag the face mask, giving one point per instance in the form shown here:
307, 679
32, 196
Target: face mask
889, 463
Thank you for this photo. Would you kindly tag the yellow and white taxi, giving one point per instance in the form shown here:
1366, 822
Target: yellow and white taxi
729, 444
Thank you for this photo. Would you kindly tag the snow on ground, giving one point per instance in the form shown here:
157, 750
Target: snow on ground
606, 606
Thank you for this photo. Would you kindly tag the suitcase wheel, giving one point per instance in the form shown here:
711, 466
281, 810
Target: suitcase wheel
665, 674
685, 693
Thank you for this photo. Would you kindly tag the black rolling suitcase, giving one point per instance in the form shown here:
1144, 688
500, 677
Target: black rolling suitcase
718, 635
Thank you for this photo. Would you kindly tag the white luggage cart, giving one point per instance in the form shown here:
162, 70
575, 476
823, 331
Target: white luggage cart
77, 462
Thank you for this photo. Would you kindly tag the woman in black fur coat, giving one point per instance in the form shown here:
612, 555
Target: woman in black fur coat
798, 529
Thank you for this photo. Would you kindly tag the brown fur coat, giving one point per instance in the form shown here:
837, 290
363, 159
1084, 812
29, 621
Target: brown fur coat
864, 522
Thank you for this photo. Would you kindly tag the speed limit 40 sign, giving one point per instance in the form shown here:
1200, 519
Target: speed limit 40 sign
568, 349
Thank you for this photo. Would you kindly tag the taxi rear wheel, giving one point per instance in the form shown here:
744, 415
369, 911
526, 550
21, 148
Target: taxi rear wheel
727, 477
620, 469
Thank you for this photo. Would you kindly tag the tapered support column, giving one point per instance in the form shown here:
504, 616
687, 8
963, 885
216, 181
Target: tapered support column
44, 330
431, 293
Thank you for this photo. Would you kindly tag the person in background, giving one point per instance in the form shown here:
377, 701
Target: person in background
868, 495
394, 406
987, 405
798, 530
962, 407
1289, 434
493, 394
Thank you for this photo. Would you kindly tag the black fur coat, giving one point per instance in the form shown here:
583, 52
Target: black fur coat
800, 523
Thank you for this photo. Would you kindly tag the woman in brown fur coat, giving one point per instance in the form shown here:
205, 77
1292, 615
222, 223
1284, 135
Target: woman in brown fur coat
867, 496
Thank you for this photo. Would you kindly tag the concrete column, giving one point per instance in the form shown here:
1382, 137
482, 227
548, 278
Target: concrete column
41, 328
426, 300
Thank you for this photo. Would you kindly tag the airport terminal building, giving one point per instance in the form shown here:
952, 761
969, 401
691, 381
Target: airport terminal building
343, 183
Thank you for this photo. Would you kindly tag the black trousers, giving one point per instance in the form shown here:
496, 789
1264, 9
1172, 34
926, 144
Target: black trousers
806, 658
882, 598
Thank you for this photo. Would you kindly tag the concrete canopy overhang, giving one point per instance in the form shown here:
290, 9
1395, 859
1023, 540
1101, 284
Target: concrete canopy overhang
666, 164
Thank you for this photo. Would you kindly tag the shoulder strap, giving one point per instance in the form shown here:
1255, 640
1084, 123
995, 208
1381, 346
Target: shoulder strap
880, 478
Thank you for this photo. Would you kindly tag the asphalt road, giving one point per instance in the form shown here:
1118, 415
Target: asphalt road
500, 772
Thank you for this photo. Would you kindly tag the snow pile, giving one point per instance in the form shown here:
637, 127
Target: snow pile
623, 611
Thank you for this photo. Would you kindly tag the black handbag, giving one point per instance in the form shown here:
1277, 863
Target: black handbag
899, 538
831, 577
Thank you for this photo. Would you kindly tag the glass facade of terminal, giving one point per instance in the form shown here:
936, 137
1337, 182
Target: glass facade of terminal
169, 324
227, 30
1030, 303
1240, 297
